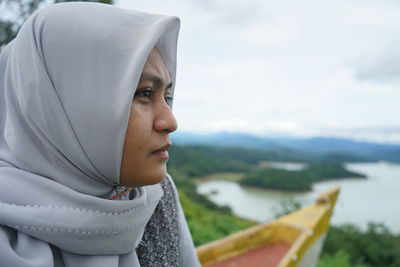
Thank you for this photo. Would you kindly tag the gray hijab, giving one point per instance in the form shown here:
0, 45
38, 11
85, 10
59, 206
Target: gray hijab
66, 86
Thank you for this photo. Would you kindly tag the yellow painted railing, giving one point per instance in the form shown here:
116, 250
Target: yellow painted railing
302, 231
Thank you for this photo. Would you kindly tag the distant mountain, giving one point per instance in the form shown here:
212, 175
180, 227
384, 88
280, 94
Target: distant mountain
224, 139
334, 148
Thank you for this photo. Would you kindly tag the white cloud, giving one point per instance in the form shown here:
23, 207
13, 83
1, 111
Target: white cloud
302, 68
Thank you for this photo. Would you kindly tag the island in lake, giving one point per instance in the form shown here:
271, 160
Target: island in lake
300, 180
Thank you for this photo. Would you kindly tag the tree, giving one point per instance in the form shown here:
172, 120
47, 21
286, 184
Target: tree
15, 12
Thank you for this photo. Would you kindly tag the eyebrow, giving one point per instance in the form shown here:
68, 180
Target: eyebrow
158, 82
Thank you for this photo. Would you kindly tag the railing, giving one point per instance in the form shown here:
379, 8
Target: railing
302, 233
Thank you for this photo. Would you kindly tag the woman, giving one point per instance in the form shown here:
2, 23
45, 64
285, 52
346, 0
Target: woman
85, 115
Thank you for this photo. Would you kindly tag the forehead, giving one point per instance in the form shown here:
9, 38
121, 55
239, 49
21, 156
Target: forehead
155, 66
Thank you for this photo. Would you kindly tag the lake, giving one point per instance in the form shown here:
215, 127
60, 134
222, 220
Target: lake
376, 198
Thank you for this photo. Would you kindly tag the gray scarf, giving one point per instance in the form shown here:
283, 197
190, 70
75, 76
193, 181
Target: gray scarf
66, 85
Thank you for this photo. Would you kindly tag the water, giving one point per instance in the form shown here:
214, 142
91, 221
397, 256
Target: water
360, 201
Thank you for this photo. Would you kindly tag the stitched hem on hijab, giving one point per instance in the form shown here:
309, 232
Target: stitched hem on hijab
120, 191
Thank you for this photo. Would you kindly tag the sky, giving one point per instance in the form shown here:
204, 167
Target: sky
287, 68
284, 68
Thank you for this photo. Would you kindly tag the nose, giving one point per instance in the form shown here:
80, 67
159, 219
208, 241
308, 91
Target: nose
165, 120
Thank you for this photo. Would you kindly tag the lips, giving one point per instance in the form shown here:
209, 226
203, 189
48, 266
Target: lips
162, 152
163, 148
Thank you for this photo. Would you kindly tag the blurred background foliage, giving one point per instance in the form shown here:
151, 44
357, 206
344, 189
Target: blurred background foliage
15, 12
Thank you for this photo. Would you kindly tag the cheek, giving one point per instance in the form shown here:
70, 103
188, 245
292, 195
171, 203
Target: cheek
133, 146
139, 131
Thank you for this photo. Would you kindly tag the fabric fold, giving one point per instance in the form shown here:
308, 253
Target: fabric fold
76, 222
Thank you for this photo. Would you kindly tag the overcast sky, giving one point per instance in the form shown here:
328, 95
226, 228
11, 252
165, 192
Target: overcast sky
298, 68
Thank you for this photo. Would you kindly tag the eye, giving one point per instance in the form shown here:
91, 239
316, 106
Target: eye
169, 100
146, 93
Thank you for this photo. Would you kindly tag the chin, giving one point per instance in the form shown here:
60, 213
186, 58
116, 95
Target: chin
159, 177
155, 180
155, 177
149, 176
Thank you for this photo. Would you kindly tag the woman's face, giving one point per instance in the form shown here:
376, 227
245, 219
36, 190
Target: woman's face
150, 123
